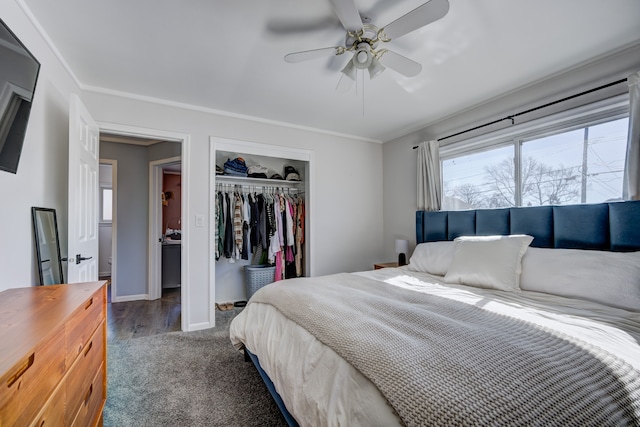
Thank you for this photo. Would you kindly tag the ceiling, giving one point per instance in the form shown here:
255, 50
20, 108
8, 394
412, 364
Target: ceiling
227, 55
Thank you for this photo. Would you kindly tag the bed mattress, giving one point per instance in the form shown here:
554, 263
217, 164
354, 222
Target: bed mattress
324, 387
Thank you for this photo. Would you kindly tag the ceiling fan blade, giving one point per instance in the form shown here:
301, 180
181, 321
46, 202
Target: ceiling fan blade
348, 14
401, 64
419, 17
313, 54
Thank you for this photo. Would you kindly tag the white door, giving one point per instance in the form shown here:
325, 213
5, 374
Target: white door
83, 194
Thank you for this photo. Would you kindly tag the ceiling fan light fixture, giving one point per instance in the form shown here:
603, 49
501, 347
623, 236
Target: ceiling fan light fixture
363, 39
362, 57
349, 70
376, 68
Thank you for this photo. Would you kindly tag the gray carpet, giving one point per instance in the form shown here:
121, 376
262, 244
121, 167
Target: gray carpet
186, 379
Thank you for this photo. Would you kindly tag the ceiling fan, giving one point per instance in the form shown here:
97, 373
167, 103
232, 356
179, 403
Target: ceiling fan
363, 39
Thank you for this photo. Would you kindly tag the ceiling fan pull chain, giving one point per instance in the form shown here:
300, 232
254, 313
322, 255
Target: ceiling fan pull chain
362, 93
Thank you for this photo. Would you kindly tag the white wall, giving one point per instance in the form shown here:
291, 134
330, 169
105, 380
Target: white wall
42, 172
400, 185
347, 216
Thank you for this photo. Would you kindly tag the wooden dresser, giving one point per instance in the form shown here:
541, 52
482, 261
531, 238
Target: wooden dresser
53, 347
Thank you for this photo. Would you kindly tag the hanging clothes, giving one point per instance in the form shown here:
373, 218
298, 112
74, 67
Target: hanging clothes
215, 226
220, 225
254, 221
263, 236
245, 227
237, 225
299, 237
268, 225
228, 228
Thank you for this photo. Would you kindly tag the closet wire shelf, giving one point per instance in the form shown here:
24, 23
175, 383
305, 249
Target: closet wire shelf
223, 179
252, 184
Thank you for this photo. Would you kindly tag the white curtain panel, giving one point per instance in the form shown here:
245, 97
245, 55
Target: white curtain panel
631, 190
429, 181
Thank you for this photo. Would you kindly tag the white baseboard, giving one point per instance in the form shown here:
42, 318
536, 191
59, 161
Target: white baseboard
130, 298
199, 326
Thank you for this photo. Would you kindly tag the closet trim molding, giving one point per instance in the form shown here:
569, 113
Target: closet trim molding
267, 150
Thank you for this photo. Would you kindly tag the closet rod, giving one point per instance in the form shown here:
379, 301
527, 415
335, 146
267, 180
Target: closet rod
512, 116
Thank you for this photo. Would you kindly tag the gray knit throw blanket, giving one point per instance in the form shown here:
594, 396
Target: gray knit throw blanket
440, 362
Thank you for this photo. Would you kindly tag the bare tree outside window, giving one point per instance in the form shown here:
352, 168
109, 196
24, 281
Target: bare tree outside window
542, 184
469, 194
501, 183
550, 185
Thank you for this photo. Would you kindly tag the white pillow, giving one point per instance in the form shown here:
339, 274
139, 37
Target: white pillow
611, 278
432, 257
492, 262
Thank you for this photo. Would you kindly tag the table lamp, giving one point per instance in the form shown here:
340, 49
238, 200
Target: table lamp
402, 247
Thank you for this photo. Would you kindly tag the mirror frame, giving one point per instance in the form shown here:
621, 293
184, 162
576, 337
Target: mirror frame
36, 229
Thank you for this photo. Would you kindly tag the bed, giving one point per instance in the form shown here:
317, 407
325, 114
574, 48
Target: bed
518, 316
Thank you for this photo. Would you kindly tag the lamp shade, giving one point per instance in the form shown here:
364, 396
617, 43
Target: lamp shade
402, 246
349, 70
375, 68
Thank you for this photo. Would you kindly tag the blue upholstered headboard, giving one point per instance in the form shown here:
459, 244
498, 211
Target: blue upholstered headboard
603, 226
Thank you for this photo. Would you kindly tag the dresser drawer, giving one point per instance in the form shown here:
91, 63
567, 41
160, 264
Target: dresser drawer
79, 380
53, 412
30, 382
93, 400
82, 325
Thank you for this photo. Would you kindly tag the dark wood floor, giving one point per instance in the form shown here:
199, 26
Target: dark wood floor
133, 319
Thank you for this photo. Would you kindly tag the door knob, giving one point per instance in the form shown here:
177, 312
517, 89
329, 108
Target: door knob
80, 258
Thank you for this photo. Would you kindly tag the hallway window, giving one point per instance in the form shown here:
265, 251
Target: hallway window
106, 204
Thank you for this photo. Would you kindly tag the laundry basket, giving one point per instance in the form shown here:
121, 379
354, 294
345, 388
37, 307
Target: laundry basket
256, 276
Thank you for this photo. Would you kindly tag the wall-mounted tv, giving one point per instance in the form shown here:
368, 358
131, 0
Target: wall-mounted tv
18, 76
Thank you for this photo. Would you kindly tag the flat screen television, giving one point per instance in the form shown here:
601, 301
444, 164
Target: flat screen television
18, 76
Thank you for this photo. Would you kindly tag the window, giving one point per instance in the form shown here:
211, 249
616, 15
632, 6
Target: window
581, 166
106, 204
482, 179
575, 161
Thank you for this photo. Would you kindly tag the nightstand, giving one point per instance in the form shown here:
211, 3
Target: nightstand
380, 265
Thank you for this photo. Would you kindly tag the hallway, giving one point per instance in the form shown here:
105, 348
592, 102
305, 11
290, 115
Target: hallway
134, 319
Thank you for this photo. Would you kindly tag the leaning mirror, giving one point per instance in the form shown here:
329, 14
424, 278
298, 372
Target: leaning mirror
45, 227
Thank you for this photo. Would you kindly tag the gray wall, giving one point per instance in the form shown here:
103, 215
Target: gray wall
164, 150
133, 210
399, 159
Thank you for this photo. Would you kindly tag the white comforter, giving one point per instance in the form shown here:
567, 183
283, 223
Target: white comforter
320, 388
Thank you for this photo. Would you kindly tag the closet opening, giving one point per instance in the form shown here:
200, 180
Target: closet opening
260, 220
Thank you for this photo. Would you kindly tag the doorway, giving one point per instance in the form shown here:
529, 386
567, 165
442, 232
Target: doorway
133, 260
165, 228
